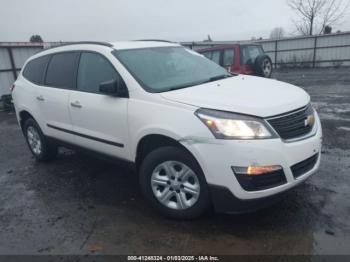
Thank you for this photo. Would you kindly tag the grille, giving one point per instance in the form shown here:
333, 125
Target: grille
293, 125
305, 166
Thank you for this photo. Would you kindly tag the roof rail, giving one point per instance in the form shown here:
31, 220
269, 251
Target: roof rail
81, 43
155, 40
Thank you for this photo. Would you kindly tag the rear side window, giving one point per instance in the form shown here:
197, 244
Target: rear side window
207, 55
94, 69
61, 71
229, 56
216, 57
213, 56
35, 70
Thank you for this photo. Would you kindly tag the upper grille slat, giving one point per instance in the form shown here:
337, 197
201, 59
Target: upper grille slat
292, 125
283, 121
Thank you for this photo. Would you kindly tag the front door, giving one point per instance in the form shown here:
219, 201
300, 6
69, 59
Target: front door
99, 120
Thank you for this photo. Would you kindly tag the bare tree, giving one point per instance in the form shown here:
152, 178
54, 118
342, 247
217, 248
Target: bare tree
315, 15
277, 33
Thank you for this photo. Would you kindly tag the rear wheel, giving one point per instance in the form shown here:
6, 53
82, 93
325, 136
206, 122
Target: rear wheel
173, 182
263, 66
41, 148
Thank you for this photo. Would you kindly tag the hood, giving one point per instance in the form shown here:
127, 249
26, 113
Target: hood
243, 94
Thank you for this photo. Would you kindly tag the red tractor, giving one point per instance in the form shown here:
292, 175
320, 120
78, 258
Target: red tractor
248, 59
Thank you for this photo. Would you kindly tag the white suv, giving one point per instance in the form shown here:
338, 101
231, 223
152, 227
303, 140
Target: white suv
197, 135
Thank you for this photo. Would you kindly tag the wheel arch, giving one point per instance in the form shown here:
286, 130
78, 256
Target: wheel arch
23, 116
150, 142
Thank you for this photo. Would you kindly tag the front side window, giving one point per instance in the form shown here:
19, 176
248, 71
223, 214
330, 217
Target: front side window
35, 70
162, 69
94, 69
61, 71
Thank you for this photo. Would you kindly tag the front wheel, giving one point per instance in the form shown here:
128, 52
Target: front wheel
174, 183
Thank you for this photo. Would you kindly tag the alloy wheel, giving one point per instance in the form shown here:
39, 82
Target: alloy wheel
34, 140
267, 67
175, 185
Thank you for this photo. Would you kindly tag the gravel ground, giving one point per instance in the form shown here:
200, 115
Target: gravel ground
80, 205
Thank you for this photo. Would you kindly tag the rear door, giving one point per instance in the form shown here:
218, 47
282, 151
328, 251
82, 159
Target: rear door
53, 96
99, 120
30, 85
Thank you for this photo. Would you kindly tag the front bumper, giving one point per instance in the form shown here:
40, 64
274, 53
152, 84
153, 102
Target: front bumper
216, 157
224, 201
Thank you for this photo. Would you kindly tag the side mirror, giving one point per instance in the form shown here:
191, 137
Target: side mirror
114, 87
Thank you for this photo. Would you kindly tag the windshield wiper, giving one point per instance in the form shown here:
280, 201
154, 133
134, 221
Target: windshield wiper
183, 86
219, 77
212, 79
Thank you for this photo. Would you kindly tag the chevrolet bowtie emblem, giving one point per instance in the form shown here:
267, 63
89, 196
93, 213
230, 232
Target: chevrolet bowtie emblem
309, 121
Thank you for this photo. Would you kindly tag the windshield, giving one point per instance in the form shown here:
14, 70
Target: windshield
162, 69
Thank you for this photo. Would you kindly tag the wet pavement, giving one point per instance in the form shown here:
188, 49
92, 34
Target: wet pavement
80, 205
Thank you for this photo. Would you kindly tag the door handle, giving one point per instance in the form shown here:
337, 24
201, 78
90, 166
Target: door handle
40, 98
76, 104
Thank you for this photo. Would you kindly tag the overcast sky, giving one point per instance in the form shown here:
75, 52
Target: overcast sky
177, 20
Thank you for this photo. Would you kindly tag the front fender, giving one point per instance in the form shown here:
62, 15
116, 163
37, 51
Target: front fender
151, 130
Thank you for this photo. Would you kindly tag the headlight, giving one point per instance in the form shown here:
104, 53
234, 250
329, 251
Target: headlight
225, 125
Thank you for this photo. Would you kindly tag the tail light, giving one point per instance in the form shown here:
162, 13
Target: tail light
12, 88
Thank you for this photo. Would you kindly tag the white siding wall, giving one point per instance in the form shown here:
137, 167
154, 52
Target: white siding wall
20, 53
300, 50
330, 48
4, 59
6, 80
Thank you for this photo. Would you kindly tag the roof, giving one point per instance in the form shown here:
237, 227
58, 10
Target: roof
93, 45
221, 47
141, 44
217, 47
116, 45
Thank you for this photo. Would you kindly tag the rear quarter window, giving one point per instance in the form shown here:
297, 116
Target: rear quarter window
61, 71
35, 69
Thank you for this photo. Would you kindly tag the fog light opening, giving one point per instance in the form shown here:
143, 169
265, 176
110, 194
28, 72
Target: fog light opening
256, 170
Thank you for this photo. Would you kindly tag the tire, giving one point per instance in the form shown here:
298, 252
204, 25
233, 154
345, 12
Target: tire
179, 204
42, 149
263, 66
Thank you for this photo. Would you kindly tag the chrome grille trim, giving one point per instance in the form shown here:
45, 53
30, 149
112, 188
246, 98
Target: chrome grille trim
290, 126
288, 113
